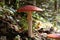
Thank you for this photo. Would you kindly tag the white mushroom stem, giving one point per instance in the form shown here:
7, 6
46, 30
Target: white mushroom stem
29, 19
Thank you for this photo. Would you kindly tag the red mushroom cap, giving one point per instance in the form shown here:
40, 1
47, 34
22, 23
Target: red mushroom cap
54, 36
29, 8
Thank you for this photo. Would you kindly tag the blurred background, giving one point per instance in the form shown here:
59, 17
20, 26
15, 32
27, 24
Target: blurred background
9, 18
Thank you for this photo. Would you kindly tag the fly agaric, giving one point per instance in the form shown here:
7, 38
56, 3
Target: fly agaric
29, 9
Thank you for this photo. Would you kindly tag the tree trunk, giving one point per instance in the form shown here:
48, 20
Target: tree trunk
55, 5
34, 2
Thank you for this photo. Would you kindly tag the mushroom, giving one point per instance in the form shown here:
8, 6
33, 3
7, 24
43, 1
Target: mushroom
54, 36
29, 9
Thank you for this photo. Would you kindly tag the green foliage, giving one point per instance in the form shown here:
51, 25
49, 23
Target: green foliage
24, 23
23, 20
1, 4
36, 16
